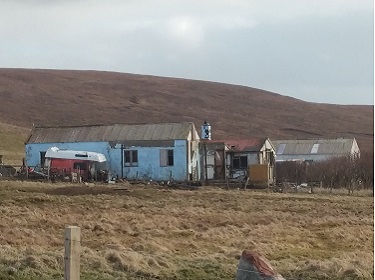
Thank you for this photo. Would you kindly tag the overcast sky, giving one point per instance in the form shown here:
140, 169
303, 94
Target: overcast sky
314, 50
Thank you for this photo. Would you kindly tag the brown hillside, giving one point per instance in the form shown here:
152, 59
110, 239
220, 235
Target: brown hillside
56, 97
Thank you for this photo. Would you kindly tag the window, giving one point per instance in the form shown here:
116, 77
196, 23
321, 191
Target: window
42, 158
280, 149
130, 158
166, 157
239, 162
80, 165
314, 149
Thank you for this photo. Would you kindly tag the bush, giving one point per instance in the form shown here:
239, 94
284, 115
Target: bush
352, 172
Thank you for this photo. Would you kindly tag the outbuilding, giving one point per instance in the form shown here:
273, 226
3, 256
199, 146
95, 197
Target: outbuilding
161, 151
232, 159
315, 149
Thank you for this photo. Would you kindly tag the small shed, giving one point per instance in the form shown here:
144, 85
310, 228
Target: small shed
230, 159
161, 151
315, 149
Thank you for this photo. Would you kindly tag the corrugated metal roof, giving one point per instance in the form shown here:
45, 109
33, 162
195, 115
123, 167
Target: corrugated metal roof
116, 132
313, 146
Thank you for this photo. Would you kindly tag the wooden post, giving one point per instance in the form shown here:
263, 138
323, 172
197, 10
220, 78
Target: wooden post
72, 253
247, 182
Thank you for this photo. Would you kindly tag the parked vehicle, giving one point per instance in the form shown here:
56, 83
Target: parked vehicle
75, 165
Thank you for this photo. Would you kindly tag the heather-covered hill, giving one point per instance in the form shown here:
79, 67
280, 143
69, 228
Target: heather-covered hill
57, 97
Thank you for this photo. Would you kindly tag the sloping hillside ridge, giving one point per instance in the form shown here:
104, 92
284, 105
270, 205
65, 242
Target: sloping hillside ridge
67, 97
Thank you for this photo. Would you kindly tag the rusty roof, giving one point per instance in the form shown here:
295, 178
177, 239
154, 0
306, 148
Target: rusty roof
314, 146
115, 132
243, 145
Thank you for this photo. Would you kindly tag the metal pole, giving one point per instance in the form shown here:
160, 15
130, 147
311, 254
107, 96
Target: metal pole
122, 161
205, 162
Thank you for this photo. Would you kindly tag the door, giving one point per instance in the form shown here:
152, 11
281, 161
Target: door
219, 165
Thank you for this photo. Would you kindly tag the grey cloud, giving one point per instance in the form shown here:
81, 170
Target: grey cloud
313, 50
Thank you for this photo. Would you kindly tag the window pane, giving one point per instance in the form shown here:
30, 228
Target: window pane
244, 162
79, 165
236, 163
42, 158
127, 156
135, 157
131, 158
170, 158
163, 157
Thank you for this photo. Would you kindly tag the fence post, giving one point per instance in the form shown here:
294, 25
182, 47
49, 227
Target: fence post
72, 253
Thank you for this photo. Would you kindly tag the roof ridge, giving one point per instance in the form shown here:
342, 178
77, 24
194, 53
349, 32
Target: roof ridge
113, 124
95, 133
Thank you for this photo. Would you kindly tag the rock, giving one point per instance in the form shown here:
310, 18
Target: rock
12, 270
253, 266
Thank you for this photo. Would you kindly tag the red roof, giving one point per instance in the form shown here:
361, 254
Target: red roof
248, 145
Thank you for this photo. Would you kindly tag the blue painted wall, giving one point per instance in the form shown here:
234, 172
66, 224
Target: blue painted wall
148, 159
33, 150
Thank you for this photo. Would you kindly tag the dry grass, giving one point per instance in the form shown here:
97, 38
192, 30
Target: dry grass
12, 139
154, 233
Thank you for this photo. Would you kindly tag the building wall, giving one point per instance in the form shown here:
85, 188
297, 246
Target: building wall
210, 164
302, 151
149, 163
148, 159
355, 149
263, 152
253, 158
307, 157
215, 157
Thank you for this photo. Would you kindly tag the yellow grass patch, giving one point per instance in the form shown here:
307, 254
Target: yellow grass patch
12, 139
150, 233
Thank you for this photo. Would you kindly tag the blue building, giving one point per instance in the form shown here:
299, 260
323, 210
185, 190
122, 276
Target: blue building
162, 151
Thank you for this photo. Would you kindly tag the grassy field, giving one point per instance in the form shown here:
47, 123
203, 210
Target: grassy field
12, 139
149, 232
